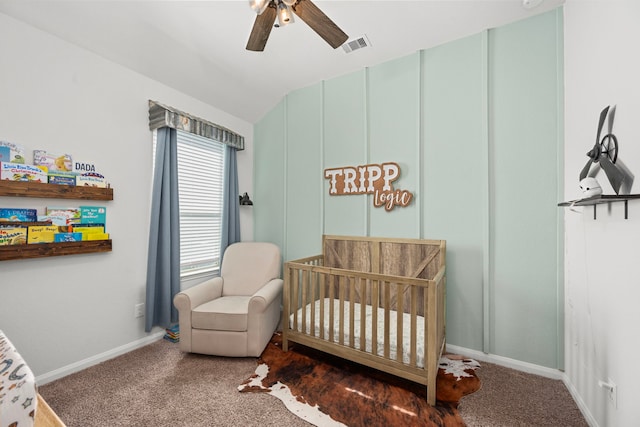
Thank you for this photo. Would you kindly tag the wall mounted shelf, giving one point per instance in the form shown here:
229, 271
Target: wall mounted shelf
40, 250
600, 199
53, 191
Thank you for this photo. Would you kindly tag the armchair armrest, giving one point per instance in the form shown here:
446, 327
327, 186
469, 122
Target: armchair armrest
265, 296
198, 294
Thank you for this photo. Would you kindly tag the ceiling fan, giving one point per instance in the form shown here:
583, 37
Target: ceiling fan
269, 10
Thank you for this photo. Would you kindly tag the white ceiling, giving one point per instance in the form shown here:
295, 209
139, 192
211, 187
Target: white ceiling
198, 47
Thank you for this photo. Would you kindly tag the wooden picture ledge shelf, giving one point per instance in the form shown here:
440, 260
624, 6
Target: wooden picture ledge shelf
39, 250
53, 191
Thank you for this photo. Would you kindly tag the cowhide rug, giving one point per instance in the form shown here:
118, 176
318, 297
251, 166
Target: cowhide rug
328, 391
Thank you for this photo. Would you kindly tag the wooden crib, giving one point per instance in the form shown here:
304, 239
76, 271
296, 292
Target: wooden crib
379, 302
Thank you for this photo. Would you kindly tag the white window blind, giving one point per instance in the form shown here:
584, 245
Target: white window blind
200, 181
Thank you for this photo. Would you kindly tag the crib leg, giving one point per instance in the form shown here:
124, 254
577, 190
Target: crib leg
431, 395
285, 343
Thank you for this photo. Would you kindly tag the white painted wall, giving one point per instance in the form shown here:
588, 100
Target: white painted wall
602, 67
62, 310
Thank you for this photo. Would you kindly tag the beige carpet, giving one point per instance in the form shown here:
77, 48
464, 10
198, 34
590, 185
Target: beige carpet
158, 386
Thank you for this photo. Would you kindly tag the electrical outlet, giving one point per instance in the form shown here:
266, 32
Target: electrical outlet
138, 310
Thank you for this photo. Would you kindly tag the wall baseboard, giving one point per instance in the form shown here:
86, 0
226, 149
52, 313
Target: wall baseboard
98, 358
529, 368
507, 362
578, 399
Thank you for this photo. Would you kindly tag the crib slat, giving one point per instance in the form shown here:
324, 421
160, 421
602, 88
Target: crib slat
312, 302
294, 297
322, 279
387, 316
363, 314
375, 301
304, 302
332, 317
352, 297
286, 306
399, 322
414, 326
341, 292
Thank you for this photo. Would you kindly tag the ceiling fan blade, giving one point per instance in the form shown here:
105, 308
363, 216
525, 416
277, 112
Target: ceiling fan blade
613, 174
320, 23
603, 115
261, 29
585, 170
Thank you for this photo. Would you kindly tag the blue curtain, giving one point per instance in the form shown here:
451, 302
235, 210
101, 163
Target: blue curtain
230, 202
163, 265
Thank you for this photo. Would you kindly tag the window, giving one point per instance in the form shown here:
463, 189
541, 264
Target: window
200, 181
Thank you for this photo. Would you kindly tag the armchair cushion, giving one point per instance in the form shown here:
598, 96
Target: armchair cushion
222, 314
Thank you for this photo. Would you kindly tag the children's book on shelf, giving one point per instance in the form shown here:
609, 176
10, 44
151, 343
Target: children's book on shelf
96, 225
41, 233
89, 230
93, 215
16, 214
80, 167
72, 214
91, 179
13, 235
19, 172
54, 162
59, 220
96, 236
16, 152
67, 237
5, 154
62, 178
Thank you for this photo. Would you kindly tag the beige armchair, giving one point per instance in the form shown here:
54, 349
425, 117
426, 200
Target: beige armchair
234, 314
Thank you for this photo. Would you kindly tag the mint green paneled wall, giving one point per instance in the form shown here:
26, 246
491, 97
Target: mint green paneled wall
475, 126
525, 100
455, 176
345, 144
269, 175
304, 209
394, 136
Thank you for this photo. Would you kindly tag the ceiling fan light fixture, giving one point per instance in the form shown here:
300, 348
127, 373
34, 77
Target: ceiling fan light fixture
258, 6
285, 16
289, 2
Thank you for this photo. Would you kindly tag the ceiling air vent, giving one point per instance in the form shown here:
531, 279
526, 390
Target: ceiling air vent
356, 44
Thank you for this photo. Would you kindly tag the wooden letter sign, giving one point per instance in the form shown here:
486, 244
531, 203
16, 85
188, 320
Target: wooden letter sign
369, 179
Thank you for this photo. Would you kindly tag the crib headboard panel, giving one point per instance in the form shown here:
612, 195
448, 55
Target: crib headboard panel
398, 257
